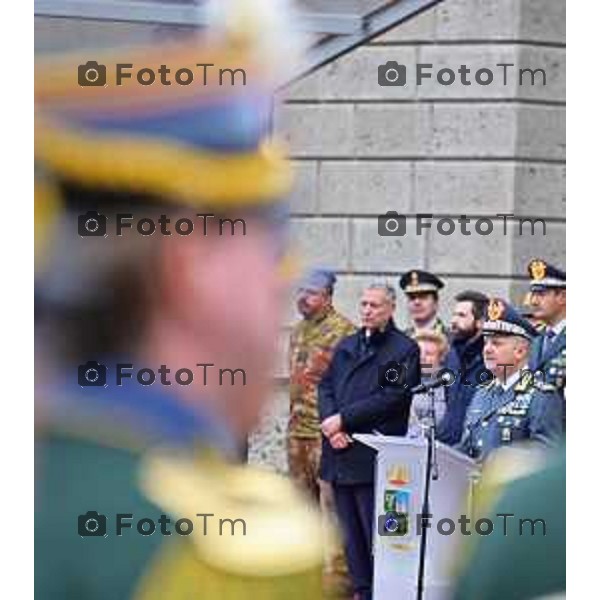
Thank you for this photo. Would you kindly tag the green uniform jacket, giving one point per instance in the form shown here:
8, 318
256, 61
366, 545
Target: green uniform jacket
519, 565
141, 454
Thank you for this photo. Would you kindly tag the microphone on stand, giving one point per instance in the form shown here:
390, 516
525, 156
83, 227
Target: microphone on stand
446, 378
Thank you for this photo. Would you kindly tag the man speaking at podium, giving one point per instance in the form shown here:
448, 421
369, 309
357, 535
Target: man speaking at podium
366, 388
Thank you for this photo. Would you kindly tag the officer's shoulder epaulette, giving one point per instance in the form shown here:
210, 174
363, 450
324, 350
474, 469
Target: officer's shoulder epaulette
529, 383
545, 386
248, 521
525, 383
488, 385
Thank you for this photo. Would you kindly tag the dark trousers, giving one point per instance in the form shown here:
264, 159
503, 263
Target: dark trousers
354, 505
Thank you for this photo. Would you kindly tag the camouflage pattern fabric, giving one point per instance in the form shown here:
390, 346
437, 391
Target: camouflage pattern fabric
311, 347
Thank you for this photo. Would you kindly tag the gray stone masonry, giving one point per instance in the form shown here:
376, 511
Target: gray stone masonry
361, 149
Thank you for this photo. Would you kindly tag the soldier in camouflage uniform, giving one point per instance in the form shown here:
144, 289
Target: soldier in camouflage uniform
312, 342
421, 289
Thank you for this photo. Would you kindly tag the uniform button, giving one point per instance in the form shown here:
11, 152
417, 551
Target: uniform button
484, 424
479, 443
500, 419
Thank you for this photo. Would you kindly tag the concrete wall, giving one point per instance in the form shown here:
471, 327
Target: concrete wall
361, 150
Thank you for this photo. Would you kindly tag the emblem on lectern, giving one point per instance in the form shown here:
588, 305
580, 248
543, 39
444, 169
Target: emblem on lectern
398, 475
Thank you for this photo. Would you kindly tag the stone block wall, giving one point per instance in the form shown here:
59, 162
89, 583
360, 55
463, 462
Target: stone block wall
361, 150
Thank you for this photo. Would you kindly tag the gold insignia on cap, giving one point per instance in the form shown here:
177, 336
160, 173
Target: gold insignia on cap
537, 269
495, 310
414, 279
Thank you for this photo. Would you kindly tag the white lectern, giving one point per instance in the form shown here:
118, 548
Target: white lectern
399, 487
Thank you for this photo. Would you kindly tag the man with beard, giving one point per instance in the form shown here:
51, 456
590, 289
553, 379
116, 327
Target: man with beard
514, 407
312, 343
465, 359
421, 289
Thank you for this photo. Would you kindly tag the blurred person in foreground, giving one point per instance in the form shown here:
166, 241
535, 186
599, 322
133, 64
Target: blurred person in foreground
354, 398
433, 348
465, 360
152, 456
515, 406
312, 342
523, 494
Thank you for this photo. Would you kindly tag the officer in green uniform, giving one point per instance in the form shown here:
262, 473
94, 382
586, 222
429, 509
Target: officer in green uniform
524, 557
422, 295
312, 342
158, 307
514, 406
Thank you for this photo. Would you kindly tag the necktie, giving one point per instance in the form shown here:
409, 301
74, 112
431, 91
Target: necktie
548, 338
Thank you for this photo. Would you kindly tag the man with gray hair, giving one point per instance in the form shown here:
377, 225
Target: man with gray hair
358, 395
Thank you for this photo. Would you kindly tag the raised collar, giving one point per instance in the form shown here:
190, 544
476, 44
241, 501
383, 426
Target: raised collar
473, 344
511, 381
559, 327
377, 337
431, 325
